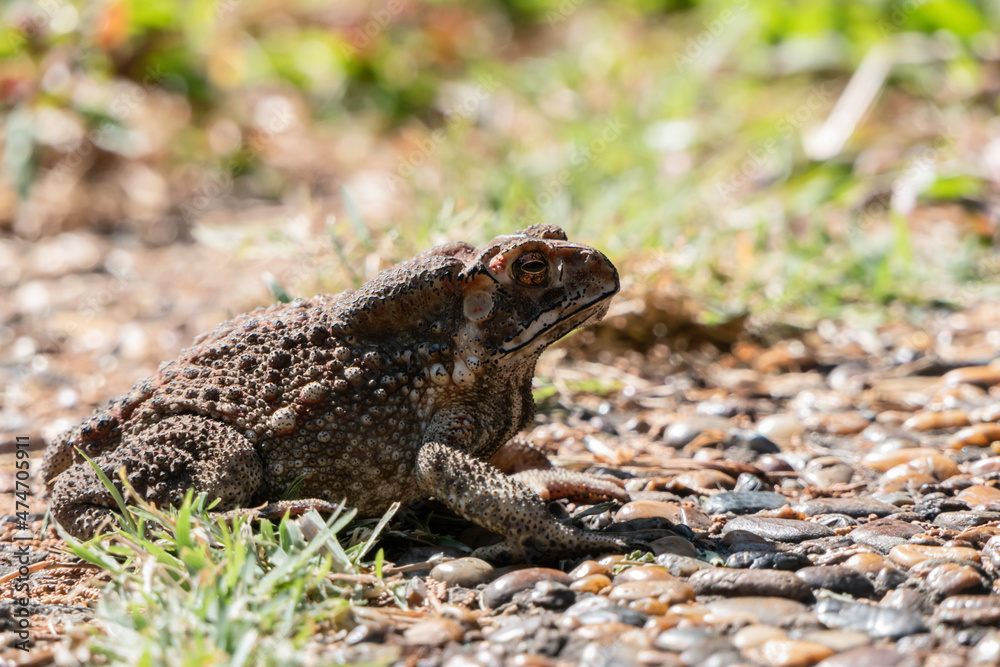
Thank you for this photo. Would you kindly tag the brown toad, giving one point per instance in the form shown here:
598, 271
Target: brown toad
397, 391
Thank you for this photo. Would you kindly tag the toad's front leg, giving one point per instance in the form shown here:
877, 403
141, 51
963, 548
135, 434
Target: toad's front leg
481, 493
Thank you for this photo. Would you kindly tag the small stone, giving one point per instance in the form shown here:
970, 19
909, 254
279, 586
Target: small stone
950, 579
684, 431
826, 471
852, 507
970, 610
551, 595
790, 653
704, 479
769, 583
503, 589
866, 563
587, 568
978, 496
838, 579
434, 632
782, 429
466, 572
908, 555
744, 502
755, 635
765, 610
868, 656
682, 566
965, 520
644, 573
883, 461
673, 544
839, 640
674, 513
592, 583
779, 530
669, 592
884, 534
876, 621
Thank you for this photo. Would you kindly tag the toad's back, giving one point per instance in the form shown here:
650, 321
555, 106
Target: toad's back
333, 392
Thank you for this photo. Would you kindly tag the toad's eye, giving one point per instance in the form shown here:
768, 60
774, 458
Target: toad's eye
531, 268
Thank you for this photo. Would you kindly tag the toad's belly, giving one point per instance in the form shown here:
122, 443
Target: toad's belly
368, 481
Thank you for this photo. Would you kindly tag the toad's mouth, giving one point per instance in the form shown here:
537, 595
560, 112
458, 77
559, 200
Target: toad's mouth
548, 321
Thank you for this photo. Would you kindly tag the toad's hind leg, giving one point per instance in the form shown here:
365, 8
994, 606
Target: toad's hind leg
162, 461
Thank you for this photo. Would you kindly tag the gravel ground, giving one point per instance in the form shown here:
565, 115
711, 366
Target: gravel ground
834, 498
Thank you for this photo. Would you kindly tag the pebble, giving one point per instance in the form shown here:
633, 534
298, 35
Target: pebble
682, 566
502, 590
744, 502
673, 544
587, 568
883, 461
784, 430
779, 530
682, 639
866, 563
876, 621
763, 609
965, 520
837, 578
987, 651
592, 583
908, 555
884, 534
977, 435
826, 471
868, 656
704, 479
675, 513
755, 635
978, 496
937, 466
985, 466
839, 640
768, 560
852, 507
644, 573
684, 431
669, 592
837, 423
790, 653
769, 583
466, 572
434, 632
984, 376
950, 579
970, 610
932, 421
991, 555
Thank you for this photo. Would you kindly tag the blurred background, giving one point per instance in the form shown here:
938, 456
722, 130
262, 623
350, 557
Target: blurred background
754, 168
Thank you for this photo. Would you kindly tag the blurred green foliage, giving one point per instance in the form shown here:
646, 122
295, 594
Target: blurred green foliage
666, 125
